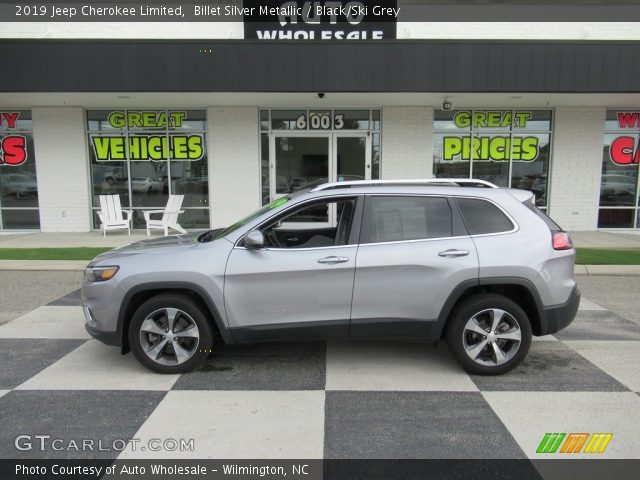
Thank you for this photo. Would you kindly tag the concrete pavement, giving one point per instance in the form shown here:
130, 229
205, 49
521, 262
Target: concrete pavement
334, 400
600, 239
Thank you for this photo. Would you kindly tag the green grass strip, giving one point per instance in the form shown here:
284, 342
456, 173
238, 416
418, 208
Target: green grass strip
76, 253
598, 256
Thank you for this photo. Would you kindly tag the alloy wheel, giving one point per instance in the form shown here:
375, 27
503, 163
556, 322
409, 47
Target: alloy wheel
491, 337
169, 336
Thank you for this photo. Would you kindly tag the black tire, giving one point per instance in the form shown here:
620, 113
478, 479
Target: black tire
461, 339
188, 313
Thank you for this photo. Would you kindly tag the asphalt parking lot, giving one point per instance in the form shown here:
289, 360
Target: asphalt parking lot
315, 400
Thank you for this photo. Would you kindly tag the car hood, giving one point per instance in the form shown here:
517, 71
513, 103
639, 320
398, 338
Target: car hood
162, 242
151, 246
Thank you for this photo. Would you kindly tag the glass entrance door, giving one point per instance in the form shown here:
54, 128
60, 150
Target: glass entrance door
303, 161
352, 153
298, 162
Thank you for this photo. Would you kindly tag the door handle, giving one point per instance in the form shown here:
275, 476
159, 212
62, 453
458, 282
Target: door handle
333, 260
452, 252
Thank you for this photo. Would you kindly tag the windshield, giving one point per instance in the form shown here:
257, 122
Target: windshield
219, 233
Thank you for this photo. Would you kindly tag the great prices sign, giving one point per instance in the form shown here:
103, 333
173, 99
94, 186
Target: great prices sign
13, 147
166, 144
490, 147
624, 150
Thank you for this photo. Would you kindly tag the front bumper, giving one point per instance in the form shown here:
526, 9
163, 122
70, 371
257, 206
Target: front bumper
560, 316
100, 303
108, 338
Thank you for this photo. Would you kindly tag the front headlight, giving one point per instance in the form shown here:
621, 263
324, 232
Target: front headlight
100, 274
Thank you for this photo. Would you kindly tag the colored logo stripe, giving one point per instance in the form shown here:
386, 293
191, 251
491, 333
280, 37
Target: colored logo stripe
574, 442
598, 442
550, 443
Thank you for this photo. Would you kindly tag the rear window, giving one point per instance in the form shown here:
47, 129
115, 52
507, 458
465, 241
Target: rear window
553, 226
482, 217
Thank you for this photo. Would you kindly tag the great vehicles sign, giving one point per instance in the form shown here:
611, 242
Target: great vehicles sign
320, 20
144, 146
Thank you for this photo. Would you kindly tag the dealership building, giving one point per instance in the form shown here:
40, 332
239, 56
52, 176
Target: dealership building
215, 112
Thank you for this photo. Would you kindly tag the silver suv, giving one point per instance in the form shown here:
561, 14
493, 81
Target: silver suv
463, 260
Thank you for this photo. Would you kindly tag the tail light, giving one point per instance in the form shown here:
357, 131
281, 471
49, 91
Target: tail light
562, 241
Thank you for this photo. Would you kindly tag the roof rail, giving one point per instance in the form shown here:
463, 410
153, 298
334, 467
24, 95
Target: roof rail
466, 182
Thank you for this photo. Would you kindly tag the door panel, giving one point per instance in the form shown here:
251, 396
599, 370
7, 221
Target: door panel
401, 287
276, 288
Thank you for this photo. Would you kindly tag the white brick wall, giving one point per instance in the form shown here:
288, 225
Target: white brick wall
62, 169
407, 147
576, 167
234, 163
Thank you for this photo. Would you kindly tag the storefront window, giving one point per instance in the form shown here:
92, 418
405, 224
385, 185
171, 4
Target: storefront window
18, 179
619, 199
507, 147
146, 155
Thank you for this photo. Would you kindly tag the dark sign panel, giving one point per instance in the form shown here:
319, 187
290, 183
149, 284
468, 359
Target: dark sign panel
320, 20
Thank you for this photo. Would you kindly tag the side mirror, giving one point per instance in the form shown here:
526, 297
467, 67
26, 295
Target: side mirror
254, 239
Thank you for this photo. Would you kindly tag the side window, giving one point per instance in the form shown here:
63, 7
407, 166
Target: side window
409, 218
482, 217
314, 225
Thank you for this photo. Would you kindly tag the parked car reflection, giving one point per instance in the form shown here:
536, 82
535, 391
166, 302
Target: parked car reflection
617, 189
19, 185
147, 184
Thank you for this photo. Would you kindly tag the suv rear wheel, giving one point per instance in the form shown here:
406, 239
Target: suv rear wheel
170, 334
488, 334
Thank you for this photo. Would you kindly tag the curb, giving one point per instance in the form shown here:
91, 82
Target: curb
618, 270
44, 265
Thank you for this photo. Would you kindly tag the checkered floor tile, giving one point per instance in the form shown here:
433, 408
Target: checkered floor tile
312, 400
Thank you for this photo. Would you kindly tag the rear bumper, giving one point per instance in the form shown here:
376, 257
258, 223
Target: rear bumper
560, 316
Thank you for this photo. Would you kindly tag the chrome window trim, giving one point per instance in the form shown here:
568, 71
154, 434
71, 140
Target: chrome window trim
515, 228
415, 240
330, 247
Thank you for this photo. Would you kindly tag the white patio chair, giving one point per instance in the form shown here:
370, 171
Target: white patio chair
110, 214
169, 216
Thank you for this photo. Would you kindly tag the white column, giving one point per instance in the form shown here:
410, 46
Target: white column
234, 163
62, 168
407, 142
576, 166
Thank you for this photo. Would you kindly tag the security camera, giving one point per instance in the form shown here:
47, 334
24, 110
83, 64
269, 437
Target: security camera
320, 94
447, 105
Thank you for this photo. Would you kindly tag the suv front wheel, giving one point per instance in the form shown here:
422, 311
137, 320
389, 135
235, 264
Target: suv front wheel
169, 333
488, 334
